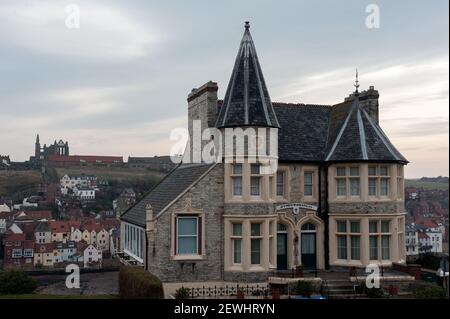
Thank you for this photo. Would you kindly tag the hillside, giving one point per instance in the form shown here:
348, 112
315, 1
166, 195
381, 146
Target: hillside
140, 180
12, 182
117, 174
428, 183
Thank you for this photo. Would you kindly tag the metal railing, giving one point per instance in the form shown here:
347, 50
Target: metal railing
229, 291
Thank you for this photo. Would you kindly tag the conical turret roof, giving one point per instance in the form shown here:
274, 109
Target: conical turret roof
247, 101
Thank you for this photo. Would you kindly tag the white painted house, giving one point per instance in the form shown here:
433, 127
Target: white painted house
430, 241
76, 235
70, 182
84, 193
92, 255
412, 241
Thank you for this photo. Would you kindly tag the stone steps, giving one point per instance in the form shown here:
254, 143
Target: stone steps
340, 288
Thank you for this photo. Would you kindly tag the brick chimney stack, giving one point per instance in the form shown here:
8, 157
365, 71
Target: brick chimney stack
368, 99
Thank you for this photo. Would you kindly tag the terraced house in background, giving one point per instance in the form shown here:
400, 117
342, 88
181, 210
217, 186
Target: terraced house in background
336, 200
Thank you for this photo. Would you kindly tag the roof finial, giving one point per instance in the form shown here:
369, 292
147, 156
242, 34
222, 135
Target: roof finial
247, 25
356, 85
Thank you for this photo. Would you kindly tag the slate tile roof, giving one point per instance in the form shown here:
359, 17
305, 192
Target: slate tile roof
169, 188
42, 226
247, 101
303, 133
358, 137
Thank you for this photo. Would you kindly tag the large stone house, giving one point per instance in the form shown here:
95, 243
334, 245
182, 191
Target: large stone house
335, 200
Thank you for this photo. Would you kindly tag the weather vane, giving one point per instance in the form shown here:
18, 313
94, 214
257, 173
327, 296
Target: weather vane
356, 85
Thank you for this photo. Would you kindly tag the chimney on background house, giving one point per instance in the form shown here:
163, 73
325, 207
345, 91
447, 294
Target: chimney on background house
369, 101
202, 105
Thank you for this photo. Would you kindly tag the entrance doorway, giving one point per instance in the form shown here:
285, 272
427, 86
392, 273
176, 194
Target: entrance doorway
282, 253
308, 245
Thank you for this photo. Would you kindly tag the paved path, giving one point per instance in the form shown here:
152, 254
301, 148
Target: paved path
105, 283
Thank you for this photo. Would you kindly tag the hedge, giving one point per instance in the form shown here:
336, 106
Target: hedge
16, 282
136, 283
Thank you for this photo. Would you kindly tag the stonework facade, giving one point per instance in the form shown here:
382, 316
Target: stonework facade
335, 199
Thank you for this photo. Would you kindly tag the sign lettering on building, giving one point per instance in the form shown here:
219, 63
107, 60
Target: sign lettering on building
296, 207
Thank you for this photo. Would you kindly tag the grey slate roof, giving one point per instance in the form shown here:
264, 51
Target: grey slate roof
359, 138
303, 133
247, 101
308, 133
169, 188
42, 226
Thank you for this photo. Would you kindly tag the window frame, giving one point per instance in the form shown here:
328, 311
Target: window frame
255, 176
379, 234
311, 185
237, 176
379, 177
348, 233
234, 238
196, 236
258, 238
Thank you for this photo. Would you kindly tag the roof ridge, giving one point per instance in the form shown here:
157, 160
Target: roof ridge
341, 131
382, 136
150, 190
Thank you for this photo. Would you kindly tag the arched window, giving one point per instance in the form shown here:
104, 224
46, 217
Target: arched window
308, 226
281, 227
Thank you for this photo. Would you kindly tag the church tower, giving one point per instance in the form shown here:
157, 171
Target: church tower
37, 148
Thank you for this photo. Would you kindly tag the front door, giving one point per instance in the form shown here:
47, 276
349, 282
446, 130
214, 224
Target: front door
281, 251
308, 250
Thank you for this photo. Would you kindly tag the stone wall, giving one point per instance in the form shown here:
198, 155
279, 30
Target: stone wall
206, 197
368, 207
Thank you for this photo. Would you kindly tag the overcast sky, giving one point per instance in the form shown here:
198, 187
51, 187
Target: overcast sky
118, 84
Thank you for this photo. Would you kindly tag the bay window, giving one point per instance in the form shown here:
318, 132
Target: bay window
355, 240
17, 253
255, 243
255, 180
348, 236
373, 240
348, 182
379, 180
379, 240
354, 181
400, 182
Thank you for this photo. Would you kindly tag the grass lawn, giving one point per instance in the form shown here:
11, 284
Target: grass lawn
39, 296
425, 185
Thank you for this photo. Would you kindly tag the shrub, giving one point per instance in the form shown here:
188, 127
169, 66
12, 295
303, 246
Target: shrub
429, 261
304, 288
16, 282
429, 292
373, 292
136, 283
182, 293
